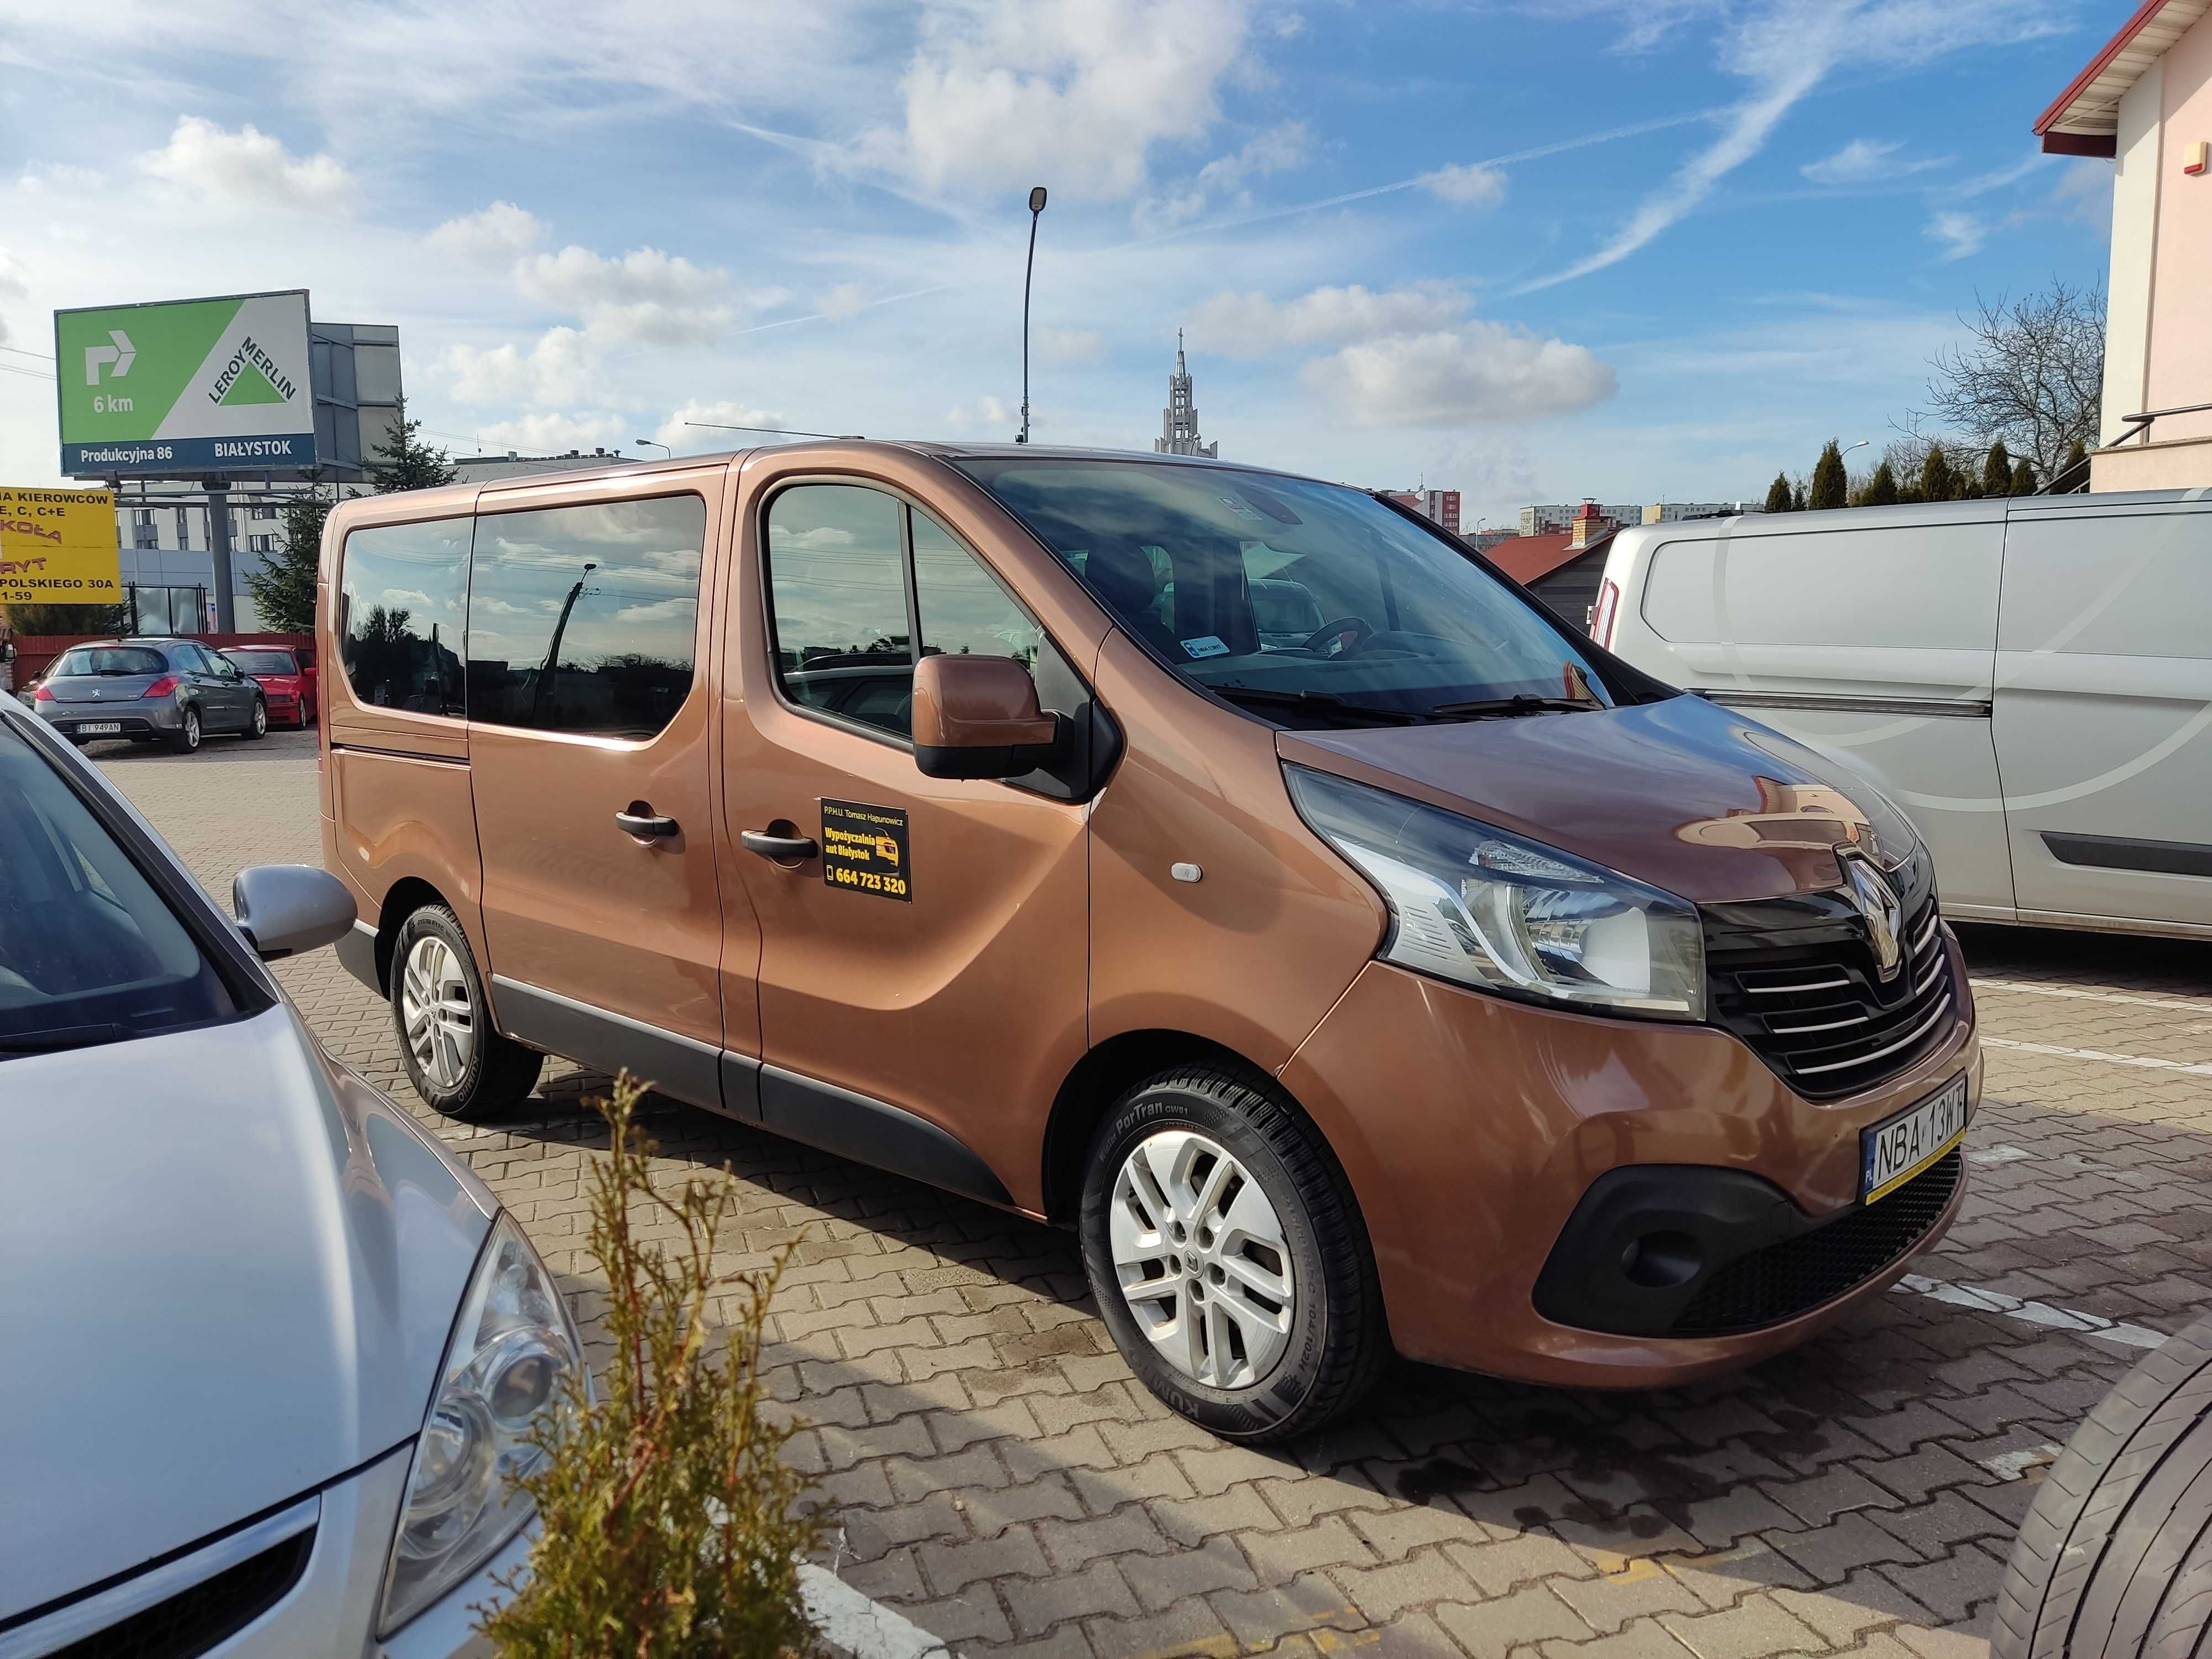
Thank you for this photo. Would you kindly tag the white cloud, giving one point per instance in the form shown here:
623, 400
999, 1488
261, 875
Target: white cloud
1960, 234
1473, 185
644, 296
1479, 373
661, 610
2084, 194
1276, 150
246, 165
1867, 162
1069, 345
677, 436
1784, 52
987, 413
1253, 326
500, 232
844, 301
1002, 93
561, 368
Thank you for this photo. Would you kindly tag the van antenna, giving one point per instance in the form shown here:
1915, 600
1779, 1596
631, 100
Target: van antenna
1036, 207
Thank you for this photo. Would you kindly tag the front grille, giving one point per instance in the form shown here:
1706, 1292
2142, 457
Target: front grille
1802, 989
193, 1621
1799, 1274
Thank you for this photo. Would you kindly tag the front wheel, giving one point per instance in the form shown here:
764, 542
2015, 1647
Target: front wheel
257, 726
455, 1057
1228, 1256
186, 739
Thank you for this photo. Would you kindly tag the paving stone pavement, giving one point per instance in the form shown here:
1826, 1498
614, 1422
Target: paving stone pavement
1006, 1484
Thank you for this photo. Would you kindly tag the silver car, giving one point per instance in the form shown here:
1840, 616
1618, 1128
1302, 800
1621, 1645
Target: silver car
170, 690
267, 1355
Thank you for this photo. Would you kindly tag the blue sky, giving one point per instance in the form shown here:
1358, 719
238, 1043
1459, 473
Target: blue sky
1533, 251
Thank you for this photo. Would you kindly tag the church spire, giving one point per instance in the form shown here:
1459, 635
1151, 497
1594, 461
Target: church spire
1179, 420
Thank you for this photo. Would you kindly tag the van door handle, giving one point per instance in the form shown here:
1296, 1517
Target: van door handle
778, 847
646, 825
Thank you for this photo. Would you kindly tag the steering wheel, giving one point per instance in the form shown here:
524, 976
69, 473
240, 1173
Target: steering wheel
1339, 638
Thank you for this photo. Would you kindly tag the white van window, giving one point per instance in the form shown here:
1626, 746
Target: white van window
2113, 585
1931, 588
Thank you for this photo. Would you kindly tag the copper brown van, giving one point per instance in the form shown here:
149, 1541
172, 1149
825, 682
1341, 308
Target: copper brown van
1233, 867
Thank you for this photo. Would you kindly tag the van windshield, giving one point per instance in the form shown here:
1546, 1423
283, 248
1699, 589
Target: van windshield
1311, 604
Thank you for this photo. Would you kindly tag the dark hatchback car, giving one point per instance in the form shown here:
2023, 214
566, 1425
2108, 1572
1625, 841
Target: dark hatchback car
171, 690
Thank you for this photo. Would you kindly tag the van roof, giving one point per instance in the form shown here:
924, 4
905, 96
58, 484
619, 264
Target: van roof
1982, 510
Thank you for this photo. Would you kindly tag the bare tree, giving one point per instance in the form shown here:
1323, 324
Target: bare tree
2031, 374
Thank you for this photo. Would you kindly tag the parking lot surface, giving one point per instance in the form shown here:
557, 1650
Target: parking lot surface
1007, 1485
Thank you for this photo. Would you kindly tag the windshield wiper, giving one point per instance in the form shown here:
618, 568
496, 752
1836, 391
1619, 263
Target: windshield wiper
1318, 702
1521, 703
60, 1036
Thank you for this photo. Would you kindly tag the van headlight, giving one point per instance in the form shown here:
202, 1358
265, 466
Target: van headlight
514, 1348
1475, 904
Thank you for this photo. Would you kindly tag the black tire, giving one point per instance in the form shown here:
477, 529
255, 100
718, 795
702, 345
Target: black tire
186, 739
2115, 1558
500, 1072
257, 723
1337, 1341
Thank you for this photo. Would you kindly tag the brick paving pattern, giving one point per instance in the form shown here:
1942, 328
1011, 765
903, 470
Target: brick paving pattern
1005, 1483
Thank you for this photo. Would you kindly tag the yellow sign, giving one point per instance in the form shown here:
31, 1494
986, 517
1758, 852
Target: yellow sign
59, 547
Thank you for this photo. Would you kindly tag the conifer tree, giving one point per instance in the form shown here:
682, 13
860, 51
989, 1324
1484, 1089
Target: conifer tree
408, 463
1996, 470
1938, 482
1777, 495
1882, 488
1831, 483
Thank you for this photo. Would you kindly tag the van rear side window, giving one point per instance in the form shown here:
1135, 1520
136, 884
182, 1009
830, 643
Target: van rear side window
586, 618
402, 593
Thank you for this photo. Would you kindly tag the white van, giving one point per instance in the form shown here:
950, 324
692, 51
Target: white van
2030, 679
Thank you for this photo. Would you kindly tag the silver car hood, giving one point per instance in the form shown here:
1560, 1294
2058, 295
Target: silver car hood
228, 1270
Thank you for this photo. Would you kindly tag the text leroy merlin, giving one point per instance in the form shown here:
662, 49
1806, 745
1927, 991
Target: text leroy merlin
251, 377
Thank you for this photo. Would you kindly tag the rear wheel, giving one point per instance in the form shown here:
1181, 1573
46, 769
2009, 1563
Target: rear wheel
186, 739
456, 1058
258, 725
2115, 1558
1228, 1257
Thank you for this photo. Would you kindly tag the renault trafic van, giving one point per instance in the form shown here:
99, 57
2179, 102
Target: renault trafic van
2030, 679
1226, 865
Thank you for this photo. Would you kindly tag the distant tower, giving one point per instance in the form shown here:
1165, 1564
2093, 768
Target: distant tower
1179, 420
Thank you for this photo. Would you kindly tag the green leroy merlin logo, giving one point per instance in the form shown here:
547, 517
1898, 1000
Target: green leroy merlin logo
214, 381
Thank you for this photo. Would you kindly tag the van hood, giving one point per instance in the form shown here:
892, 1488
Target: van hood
231, 1269
1680, 794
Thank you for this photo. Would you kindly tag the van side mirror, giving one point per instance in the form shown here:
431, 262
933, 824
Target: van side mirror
977, 717
285, 908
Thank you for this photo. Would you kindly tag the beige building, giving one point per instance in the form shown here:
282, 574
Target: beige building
2146, 102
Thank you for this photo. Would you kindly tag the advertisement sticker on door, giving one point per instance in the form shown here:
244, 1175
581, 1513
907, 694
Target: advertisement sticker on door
864, 849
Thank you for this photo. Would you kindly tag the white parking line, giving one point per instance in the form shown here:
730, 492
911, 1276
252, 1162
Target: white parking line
854, 1623
2200, 1006
1982, 1300
2149, 1061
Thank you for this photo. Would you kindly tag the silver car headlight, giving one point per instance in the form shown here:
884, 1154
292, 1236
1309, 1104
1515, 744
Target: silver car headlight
1494, 911
513, 1349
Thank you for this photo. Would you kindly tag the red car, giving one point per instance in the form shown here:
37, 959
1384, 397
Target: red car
287, 677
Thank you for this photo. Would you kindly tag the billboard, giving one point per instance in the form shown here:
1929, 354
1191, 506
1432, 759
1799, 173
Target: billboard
59, 547
184, 387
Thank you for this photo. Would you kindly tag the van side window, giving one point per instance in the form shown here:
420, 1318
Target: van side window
402, 593
962, 609
837, 601
586, 618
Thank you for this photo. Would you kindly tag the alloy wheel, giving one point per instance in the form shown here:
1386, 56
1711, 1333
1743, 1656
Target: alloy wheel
260, 717
1201, 1259
435, 1008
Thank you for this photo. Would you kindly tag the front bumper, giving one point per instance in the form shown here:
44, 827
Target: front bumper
327, 1605
1472, 1127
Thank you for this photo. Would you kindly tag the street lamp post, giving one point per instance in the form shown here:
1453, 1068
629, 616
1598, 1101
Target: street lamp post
655, 443
1036, 207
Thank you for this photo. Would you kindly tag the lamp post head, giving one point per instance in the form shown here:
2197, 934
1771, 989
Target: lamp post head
1036, 200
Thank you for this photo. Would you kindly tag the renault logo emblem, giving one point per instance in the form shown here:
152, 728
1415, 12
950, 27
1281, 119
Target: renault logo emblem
1878, 902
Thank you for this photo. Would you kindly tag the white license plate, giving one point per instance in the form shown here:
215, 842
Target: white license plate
1892, 1153
98, 729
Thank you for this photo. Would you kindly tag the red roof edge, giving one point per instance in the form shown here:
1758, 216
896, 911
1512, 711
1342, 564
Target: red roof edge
2098, 65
